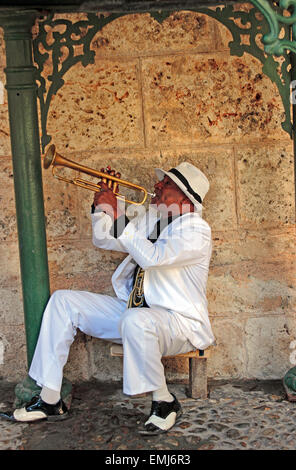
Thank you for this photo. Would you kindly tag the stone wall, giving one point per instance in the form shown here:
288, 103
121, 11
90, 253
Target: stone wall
156, 95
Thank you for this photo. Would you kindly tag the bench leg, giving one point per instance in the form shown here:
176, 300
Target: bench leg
198, 386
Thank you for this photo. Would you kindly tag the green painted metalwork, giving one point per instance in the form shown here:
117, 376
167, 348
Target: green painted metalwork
112, 6
240, 24
289, 383
25, 145
276, 19
79, 33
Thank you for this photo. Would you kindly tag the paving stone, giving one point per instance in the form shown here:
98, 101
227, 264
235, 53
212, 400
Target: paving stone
242, 425
217, 426
213, 437
102, 418
233, 434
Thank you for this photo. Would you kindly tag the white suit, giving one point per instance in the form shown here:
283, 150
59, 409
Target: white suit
176, 271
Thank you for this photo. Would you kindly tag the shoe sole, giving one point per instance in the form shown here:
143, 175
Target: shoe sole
160, 431
50, 419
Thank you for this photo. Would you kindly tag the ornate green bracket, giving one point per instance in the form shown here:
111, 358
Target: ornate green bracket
66, 35
273, 43
74, 34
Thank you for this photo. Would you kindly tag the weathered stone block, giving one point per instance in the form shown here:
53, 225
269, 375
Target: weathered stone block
78, 366
265, 245
82, 266
14, 364
99, 282
210, 98
268, 343
219, 204
80, 256
99, 106
142, 35
228, 358
265, 186
176, 370
11, 306
60, 205
250, 288
9, 256
105, 367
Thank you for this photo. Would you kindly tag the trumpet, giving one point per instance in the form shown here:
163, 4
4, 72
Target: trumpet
53, 159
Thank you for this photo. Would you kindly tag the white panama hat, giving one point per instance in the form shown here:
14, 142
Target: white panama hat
189, 179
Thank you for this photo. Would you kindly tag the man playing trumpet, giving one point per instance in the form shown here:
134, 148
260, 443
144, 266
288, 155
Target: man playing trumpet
160, 308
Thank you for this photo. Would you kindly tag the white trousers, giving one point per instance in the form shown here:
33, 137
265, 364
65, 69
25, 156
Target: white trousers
147, 334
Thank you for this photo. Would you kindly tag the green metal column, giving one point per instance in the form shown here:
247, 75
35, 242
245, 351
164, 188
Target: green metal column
25, 145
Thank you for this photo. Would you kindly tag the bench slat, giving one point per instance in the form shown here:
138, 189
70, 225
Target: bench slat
117, 350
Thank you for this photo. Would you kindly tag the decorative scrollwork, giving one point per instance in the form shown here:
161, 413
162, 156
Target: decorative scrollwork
63, 35
56, 40
273, 43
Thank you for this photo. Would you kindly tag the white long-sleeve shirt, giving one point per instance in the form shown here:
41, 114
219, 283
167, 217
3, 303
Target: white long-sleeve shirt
176, 266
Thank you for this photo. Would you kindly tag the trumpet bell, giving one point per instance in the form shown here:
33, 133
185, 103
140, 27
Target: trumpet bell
49, 157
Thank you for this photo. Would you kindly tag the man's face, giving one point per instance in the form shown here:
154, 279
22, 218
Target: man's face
169, 195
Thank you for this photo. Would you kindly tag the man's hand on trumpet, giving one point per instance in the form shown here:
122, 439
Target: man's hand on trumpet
105, 197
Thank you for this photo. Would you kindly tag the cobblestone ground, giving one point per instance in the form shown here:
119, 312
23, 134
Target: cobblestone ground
236, 416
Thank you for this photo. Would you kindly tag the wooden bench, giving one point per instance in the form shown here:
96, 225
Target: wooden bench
198, 381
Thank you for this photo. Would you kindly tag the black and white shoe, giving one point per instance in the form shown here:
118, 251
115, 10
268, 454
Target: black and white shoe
162, 417
36, 410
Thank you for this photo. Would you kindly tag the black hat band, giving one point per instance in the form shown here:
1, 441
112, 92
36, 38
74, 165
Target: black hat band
186, 184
